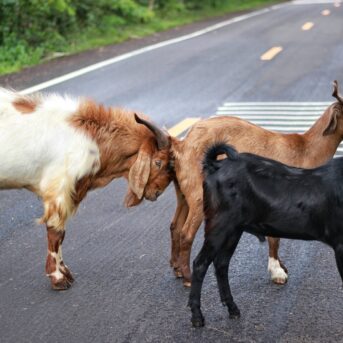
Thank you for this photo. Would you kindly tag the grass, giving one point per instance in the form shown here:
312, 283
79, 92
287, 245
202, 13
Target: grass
21, 55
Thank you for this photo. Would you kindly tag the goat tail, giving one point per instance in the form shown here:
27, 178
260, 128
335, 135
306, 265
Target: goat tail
211, 161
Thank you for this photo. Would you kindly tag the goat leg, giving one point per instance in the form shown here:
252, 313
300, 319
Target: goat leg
175, 230
277, 269
339, 259
221, 265
198, 319
59, 274
189, 230
208, 253
200, 266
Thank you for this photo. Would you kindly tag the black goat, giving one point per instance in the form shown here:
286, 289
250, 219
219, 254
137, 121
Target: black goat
245, 192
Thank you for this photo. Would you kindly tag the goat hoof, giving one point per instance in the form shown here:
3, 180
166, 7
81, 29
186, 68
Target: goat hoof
187, 283
66, 272
283, 267
280, 281
198, 322
70, 278
279, 275
178, 273
61, 285
234, 313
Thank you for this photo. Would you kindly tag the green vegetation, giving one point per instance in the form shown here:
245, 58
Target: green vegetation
34, 30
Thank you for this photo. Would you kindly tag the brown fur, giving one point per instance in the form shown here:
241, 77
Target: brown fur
25, 105
54, 239
311, 149
120, 140
50, 265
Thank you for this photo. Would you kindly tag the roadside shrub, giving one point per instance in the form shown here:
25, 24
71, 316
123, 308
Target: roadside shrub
14, 54
35, 21
131, 11
30, 30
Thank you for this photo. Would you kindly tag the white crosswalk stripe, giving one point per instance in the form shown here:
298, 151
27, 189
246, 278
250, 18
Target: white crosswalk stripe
314, 2
278, 116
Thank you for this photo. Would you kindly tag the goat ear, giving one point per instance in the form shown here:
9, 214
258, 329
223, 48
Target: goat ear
330, 129
131, 199
139, 173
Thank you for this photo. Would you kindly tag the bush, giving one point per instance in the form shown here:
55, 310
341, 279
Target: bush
32, 29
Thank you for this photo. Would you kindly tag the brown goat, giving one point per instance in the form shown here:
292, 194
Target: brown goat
308, 150
60, 148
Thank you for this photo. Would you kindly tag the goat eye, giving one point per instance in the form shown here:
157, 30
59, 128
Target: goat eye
158, 163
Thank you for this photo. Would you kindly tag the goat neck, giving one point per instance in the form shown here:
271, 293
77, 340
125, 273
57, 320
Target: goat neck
117, 135
320, 147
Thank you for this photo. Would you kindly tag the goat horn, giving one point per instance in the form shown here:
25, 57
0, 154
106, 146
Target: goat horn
335, 93
161, 137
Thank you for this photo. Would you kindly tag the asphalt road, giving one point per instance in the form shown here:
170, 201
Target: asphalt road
124, 289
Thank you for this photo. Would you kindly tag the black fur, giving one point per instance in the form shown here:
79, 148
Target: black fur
210, 163
245, 192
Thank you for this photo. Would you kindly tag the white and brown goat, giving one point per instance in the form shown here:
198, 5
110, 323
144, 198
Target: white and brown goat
308, 150
60, 148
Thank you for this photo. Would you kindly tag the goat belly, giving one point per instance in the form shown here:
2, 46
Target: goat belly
271, 231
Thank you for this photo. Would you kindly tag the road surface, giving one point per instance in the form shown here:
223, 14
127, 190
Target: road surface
124, 289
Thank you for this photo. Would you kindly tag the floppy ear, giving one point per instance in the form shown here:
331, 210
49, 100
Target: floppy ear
131, 199
139, 173
332, 123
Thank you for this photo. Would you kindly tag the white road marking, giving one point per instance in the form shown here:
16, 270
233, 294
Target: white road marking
278, 116
313, 2
128, 55
270, 111
269, 116
279, 103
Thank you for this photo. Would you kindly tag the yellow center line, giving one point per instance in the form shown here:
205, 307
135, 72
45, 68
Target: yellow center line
307, 26
326, 12
182, 126
271, 53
